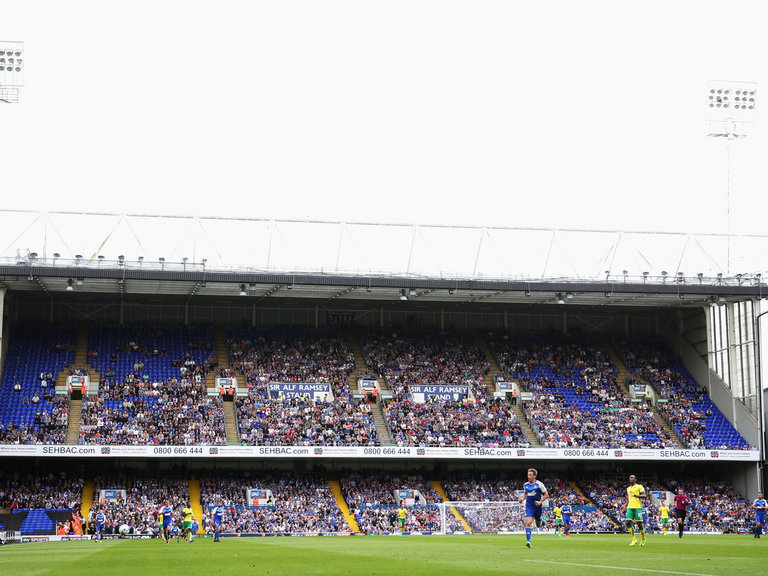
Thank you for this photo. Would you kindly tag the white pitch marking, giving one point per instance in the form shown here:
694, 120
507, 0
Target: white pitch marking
620, 568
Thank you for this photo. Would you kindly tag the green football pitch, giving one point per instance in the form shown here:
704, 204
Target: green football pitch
406, 556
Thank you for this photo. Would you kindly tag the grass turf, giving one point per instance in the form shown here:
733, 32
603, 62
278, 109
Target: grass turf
385, 555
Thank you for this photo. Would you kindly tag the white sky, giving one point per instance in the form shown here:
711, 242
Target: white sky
571, 114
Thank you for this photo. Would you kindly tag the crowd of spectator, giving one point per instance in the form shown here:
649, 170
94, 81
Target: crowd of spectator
481, 423
298, 356
171, 412
144, 497
292, 355
371, 499
301, 504
304, 503
49, 426
614, 423
576, 401
304, 422
491, 488
474, 419
682, 401
609, 494
716, 505
49, 491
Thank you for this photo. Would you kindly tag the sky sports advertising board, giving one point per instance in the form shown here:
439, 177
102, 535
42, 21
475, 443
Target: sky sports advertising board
389, 452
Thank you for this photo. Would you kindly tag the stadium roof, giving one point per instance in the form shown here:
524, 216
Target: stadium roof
217, 258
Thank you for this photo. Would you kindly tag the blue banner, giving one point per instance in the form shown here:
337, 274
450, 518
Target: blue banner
315, 390
421, 393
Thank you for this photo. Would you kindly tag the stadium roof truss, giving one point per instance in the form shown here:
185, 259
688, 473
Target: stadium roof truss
195, 257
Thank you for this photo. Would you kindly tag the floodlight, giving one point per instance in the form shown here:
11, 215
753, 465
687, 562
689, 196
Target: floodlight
80, 281
730, 105
11, 70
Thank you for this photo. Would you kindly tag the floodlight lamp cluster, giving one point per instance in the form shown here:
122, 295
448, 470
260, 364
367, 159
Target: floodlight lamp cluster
737, 100
11, 60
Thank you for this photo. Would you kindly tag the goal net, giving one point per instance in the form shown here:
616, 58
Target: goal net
481, 517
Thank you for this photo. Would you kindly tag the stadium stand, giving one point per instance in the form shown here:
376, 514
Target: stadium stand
494, 488
576, 399
371, 499
405, 359
684, 402
303, 504
153, 388
30, 413
305, 356
144, 495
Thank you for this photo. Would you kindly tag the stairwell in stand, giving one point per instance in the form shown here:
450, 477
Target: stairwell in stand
335, 486
361, 367
80, 362
222, 355
230, 424
230, 414
385, 438
196, 504
490, 382
89, 489
621, 377
73, 422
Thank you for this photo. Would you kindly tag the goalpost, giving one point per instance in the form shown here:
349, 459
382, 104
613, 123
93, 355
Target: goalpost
481, 517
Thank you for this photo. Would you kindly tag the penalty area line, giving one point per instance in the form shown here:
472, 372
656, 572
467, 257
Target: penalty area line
619, 568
